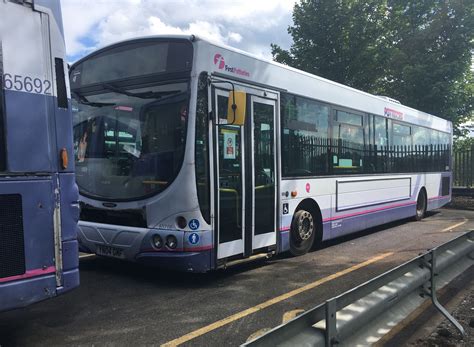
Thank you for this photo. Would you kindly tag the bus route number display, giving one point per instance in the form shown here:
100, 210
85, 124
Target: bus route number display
26, 84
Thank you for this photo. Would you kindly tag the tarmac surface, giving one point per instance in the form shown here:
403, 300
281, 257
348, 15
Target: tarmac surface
122, 303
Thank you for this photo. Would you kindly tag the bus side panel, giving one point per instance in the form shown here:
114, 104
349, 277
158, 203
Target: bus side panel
28, 88
38, 203
69, 229
69, 206
62, 139
438, 187
29, 140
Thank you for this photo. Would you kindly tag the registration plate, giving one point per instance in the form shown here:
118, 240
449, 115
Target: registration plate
109, 251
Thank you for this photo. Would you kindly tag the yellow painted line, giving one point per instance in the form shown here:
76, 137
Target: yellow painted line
263, 305
86, 256
455, 226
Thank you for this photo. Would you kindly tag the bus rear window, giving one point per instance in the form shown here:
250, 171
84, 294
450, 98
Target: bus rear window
133, 60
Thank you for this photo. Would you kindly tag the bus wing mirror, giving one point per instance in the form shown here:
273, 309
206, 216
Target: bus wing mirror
236, 107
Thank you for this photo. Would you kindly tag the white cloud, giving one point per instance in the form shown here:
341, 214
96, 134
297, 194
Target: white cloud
247, 24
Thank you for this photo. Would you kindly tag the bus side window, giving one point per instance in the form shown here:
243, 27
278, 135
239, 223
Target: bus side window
348, 147
305, 143
380, 144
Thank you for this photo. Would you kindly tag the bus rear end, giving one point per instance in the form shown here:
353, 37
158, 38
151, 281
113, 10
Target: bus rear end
38, 194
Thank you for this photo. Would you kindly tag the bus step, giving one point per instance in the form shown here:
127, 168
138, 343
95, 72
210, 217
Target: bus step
247, 260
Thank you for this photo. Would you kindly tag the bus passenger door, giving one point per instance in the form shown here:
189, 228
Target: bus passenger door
245, 180
230, 180
262, 170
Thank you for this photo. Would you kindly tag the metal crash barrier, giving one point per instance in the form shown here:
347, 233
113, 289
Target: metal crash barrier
340, 318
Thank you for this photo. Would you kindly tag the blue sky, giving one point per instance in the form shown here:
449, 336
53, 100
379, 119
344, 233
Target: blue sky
250, 25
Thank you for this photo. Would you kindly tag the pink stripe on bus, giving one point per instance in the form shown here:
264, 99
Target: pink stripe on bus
30, 274
197, 249
370, 211
438, 197
186, 249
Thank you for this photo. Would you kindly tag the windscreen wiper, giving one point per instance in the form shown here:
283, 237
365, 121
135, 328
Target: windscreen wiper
141, 95
83, 100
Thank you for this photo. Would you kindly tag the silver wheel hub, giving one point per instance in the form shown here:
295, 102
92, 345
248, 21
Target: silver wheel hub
305, 226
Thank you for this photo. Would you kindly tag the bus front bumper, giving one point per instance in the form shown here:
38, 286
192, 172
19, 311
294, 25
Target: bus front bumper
135, 244
180, 261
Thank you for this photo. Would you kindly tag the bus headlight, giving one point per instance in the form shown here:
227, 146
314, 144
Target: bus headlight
171, 241
157, 241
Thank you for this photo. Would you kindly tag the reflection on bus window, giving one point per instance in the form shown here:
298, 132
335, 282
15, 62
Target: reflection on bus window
131, 147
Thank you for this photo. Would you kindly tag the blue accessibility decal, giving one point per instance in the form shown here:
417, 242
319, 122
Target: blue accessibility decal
194, 238
193, 224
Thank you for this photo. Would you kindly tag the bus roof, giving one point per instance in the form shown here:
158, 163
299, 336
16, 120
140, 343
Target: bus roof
392, 109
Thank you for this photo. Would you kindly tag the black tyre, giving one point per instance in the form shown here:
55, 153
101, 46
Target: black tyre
421, 205
302, 232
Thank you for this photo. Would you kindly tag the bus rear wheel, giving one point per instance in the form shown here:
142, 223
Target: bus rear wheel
421, 205
302, 232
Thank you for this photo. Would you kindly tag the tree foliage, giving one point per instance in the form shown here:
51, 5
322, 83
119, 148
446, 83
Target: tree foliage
416, 51
464, 143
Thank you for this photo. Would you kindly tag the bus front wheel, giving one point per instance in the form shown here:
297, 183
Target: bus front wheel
421, 205
302, 232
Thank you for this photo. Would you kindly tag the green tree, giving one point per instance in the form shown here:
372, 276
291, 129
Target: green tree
464, 143
331, 40
416, 51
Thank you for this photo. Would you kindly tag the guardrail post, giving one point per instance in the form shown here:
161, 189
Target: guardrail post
331, 327
432, 292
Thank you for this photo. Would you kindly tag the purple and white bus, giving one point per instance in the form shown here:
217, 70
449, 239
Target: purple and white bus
193, 156
39, 206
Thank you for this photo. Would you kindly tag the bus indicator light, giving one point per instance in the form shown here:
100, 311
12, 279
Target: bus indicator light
64, 158
181, 222
308, 187
294, 193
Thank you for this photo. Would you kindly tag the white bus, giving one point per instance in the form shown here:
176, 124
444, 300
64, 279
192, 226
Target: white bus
192, 155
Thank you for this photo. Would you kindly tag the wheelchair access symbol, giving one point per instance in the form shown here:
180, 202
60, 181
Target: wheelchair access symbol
194, 239
193, 224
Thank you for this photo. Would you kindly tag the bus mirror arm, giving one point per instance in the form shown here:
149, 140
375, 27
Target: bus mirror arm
236, 108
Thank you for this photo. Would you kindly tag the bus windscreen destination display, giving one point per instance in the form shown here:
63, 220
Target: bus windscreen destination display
131, 61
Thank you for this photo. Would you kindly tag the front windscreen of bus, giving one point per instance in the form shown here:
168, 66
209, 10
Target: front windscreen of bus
129, 144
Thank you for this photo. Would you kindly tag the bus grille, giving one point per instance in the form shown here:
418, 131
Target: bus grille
12, 244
